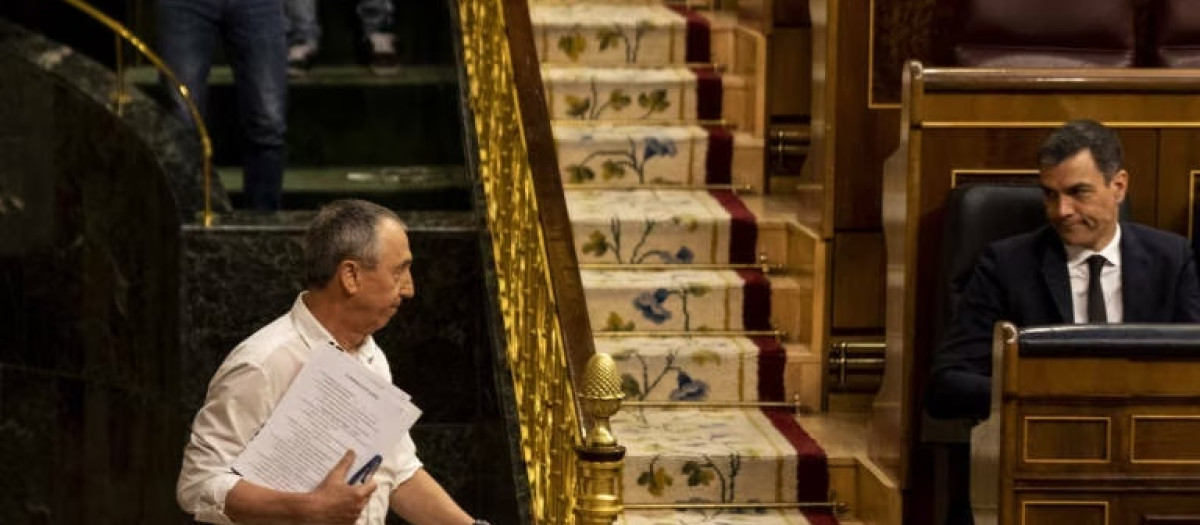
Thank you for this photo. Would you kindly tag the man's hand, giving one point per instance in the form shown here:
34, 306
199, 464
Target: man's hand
334, 501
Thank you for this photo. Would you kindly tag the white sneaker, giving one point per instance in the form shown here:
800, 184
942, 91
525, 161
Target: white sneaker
384, 60
299, 59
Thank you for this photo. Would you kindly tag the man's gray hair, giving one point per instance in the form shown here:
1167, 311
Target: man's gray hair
343, 229
1078, 135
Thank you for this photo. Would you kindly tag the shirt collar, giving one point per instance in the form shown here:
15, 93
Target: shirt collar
1111, 252
315, 335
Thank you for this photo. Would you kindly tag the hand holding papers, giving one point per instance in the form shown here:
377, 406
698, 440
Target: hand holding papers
335, 404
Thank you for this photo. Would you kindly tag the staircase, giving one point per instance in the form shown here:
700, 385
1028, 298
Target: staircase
395, 140
698, 284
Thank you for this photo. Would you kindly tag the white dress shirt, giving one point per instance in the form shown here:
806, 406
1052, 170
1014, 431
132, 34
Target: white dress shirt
1110, 279
242, 395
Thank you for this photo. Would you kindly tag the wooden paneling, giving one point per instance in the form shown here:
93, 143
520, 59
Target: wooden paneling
995, 151
858, 272
766, 15
1179, 163
864, 136
1112, 441
789, 73
1157, 438
1066, 439
1059, 512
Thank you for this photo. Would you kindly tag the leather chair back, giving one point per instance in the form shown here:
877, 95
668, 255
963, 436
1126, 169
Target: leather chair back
1047, 33
977, 215
1176, 33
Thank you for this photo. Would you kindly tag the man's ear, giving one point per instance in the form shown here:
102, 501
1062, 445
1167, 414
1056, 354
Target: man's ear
1120, 183
348, 274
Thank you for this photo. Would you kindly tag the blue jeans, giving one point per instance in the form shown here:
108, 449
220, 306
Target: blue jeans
304, 29
252, 32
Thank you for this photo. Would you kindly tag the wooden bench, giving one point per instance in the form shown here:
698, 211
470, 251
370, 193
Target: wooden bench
1091, 424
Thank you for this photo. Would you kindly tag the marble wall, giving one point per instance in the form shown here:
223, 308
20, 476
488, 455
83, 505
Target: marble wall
89, 240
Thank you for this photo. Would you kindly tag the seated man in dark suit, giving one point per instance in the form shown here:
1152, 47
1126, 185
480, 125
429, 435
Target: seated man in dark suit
1085, 266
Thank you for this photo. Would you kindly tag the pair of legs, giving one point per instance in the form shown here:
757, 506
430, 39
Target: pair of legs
252, 32
304, 31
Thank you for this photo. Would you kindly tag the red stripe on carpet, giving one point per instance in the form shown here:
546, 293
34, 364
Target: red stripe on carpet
718, 164
772, 357
708, 93
743, 228
699, 41
756, 300
812, 467
820, 517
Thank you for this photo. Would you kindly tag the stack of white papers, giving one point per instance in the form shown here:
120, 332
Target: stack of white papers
335, 404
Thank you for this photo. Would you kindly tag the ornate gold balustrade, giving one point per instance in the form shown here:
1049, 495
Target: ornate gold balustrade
548, 338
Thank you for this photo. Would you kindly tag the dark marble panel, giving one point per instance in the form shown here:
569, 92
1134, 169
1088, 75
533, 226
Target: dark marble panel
91, 202
467, 462
41, 421
31, 62
75, 451
502, 492
435, 342
90, 265
238, 277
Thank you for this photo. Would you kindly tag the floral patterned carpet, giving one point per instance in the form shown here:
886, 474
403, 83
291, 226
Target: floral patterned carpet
636, 111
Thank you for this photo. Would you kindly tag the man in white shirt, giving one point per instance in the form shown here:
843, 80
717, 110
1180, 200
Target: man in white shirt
357, 269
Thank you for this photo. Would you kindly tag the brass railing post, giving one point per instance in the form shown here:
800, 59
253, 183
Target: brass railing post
601, 459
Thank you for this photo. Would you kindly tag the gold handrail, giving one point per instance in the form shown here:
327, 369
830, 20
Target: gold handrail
536, 352
124, 33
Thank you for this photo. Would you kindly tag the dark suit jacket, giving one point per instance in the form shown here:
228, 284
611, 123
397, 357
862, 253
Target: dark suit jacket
1024, 279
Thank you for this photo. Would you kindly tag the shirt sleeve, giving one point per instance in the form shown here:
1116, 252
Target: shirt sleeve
403, 462
239, 401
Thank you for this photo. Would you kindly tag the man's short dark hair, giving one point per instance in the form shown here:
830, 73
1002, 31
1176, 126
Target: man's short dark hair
343, 229
1078, 135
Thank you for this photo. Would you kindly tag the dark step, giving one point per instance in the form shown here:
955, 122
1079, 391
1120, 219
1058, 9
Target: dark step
340, 116
413, 188
423, 30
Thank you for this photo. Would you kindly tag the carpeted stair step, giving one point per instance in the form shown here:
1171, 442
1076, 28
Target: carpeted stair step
668, 94
718, 456
617, 35
714, 369
607, 155
402, 188
662, 227
689, 300
344, 116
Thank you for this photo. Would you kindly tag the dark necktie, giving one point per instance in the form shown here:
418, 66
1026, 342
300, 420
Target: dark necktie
1095, 301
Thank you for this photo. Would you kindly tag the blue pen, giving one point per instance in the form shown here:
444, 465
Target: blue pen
366, 471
